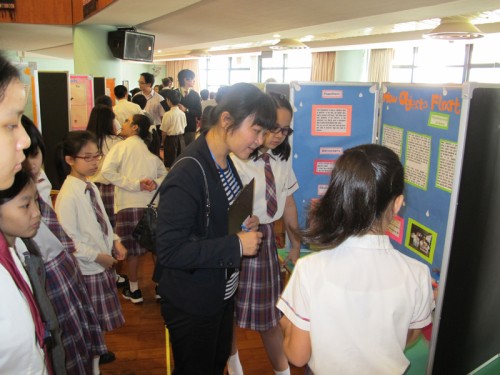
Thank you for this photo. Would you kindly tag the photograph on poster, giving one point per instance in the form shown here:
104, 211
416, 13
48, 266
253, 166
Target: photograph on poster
421, 240
331, 120
392, 137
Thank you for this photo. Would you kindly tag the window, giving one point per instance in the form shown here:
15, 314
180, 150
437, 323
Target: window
446, 62
283, 67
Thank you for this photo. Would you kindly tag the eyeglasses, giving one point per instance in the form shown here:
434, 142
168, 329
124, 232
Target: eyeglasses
141, 83
284, 131
89, 158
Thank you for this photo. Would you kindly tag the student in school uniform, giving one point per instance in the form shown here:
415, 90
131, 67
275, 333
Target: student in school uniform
82, 215
82, 337
20, 217
21, 346
172, 128
260, 279
136, 173
354, 306
199, 258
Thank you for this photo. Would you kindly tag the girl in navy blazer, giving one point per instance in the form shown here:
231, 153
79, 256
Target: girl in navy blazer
199, 259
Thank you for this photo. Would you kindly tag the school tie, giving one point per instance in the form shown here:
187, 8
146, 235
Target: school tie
97, 209
49, 217
270, 187
7, 261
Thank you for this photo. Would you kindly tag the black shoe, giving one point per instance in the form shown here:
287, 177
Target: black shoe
135, 297
122, 281
107, 358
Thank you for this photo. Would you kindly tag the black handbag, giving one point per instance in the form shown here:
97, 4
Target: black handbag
145, 230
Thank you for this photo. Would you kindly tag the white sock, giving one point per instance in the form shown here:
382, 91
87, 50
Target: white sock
234, 365
134, 285
95, 363
284, 372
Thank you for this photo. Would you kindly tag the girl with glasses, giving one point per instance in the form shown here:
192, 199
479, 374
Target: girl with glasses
260, 282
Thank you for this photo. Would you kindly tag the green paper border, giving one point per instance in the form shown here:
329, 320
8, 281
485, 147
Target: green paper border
402, 137
430, 257
428, 165
429, 123
441, 141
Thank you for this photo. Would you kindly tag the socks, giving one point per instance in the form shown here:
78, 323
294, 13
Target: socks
134, 285
234, 365
284, 372
95, 363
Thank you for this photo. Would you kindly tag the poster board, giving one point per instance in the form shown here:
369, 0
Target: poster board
421, 124
465, 336
99, 87
328, 118
52, 90
82, 100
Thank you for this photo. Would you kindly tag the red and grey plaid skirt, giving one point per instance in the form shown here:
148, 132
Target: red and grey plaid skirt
126, 220
260, 286
82, 337
101, 288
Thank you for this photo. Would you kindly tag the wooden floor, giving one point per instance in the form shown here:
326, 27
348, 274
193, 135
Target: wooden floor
140, 344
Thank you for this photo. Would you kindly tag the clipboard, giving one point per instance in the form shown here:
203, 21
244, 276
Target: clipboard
241, 208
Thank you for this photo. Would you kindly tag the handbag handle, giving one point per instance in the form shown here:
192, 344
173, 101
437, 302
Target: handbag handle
207, 205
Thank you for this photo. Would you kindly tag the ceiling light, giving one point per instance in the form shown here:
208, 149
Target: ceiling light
455, 28
199, 53
284, 44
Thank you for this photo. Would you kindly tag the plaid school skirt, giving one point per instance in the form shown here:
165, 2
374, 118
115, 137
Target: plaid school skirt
82, 337
260, 286
126, 220
108, 198
104, 297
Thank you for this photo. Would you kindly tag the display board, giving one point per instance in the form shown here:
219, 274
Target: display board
328, 118
99, 87
420, 123
466, 334
82, 100
53, 97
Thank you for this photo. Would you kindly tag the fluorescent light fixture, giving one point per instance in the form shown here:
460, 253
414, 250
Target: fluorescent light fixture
285, 44
455, 28
199, 53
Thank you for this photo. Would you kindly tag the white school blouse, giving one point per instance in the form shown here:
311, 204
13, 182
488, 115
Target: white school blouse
174, 122
78, 219
284, 177
108, 143
125, 165
358, 301
19, 350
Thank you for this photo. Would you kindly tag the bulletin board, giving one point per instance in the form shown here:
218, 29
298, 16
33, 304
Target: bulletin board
328, 118
52, 90
421, 124
82, 100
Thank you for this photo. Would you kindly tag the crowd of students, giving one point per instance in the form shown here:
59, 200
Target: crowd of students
349, 309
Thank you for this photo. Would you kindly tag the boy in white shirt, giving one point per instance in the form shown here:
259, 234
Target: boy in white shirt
172, 128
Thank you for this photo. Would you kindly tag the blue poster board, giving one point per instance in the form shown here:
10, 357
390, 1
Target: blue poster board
421, 124
328, 118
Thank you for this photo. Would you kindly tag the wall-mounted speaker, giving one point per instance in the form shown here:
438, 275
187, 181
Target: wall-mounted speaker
131, 45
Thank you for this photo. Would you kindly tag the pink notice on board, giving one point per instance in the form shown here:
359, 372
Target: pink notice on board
323, 166
82, 100
395, 230
331, 120
331, 150
322, 188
